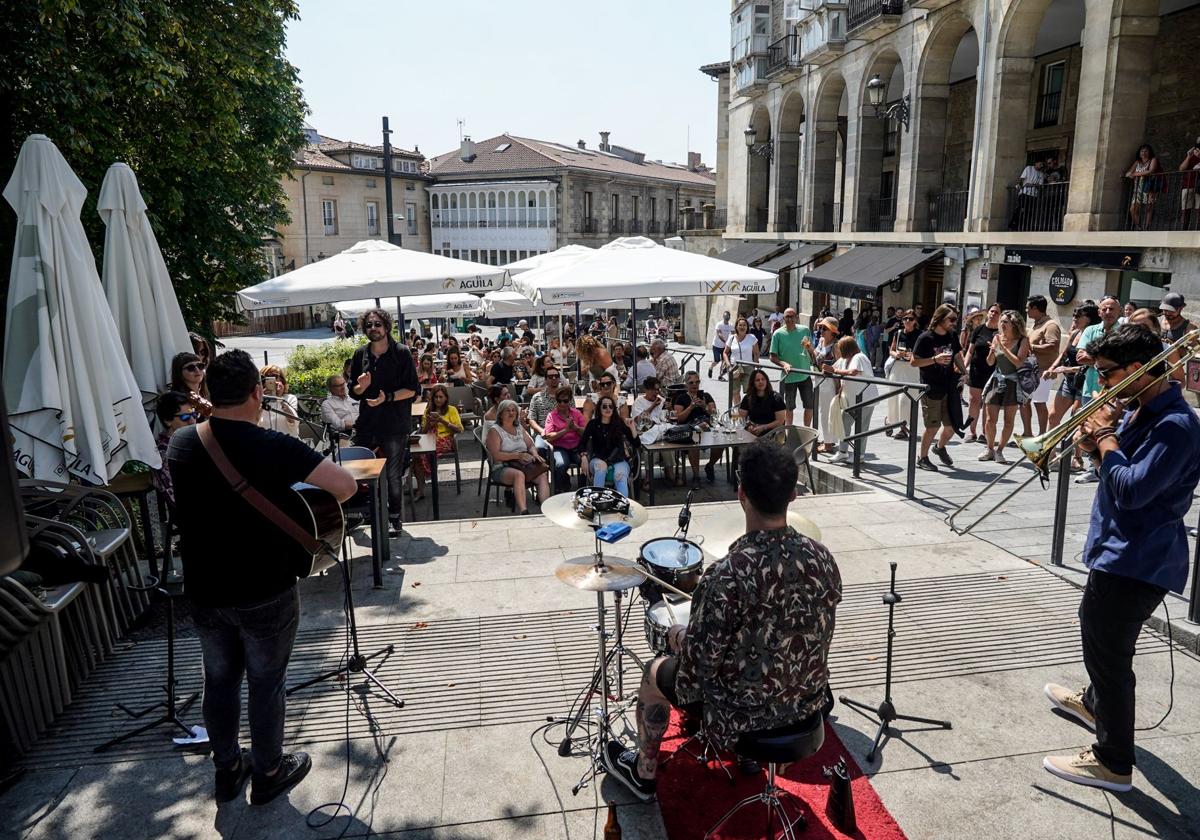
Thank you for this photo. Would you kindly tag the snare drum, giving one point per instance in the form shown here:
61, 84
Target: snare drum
678, 562
658, 621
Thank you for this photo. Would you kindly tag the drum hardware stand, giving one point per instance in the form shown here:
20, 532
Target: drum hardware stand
356, 663
171, 711
707, 754
885, 713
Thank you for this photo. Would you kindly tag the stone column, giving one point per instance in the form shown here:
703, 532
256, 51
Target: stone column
1110, 117
922, 156
864, 162
822, 175
1002, 157
785, 176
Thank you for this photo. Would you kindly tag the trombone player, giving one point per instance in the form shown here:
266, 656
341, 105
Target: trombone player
1146, 452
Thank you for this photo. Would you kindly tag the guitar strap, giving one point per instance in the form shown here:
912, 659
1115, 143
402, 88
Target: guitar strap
256, 499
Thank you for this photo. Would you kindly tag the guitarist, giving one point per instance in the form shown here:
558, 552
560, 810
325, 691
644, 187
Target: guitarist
238, 575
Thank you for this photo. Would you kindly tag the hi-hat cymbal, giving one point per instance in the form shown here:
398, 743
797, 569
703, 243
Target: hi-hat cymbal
583, 573
721, 529
560, 510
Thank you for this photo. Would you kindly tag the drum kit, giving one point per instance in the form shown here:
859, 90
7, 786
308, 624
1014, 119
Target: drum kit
666, 573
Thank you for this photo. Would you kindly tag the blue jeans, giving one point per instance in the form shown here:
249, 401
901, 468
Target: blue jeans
620, 474
563, 459
254, 641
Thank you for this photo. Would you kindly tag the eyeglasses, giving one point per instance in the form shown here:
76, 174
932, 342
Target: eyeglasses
606, 408
563, 401
1104, 373
909, 319
194, 367
371, 324
552, 376
188, 416
606, 384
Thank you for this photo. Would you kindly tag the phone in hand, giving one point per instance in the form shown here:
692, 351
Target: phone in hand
271, 385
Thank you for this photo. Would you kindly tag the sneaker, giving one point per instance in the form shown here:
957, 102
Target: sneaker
293, 767
230, 781
923, 463
971, 437
1086, 769
1088, 477
840, 458
621, 764
710, 473
943, 455
999, 456
1070, 702
987, 455
394, 529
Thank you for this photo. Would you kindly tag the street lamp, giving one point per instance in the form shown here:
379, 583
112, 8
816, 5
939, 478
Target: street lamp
876, 90
766, 149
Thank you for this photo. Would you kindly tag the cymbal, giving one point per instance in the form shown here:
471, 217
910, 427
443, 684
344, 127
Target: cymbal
582, 573
721, 529
560, 510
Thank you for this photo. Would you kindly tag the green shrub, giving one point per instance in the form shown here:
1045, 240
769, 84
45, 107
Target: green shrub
310, 366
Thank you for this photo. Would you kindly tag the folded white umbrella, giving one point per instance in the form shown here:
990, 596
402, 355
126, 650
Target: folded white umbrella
372, 269
74, 405
459, 305
139, 291
637, 267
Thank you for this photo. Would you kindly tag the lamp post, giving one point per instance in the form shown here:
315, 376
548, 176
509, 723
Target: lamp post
766, 150
876, 90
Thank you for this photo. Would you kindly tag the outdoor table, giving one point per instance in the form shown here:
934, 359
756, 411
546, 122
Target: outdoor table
370, 471
138, 486
731, 440
427, 445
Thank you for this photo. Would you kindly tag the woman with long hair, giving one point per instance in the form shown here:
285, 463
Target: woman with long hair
1145, 191
187, 374
979, 367
1070, 389
593, 360
456, 371
762, 409
900, 369
1003, 393
442, 420
426, 374
851, 361
556, 352
741, 350
282, 411
537, 374
607, 441
515, 458
824, 353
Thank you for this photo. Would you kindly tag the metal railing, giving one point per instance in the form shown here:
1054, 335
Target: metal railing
758, 224
616, 226
948, 210
1046, 112
829, 218
863, 12
783, 54
635, 226
1166, 201
881, 214
653, 226
588, 225
1037, 207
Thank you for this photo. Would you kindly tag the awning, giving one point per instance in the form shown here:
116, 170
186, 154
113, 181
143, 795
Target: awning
806, 253
860, 272
749, 253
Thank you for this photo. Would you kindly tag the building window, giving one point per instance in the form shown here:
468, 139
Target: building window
587, 205
670, 212
614, 210
454, 253
474, 255
410, 216
1049, 101
370, 183
329, 216
521, 255
653, 214
327, 180
408, 186
635, 208
891, 137
372, 218
512, 256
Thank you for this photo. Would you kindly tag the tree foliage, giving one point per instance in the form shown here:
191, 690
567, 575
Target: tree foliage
197, 97
309, 366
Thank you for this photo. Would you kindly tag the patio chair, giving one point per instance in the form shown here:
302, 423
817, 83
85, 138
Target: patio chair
799, 440
485, 469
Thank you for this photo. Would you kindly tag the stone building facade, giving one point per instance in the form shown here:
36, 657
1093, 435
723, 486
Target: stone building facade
975, 89
507, 198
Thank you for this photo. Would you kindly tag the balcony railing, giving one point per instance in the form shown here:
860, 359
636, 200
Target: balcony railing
828, 218
756, 220
588, 225
1167, 201
865, 12
635, 227
720, 219
1047, 109
616, 226
653, 227
783, 54
947, 210
1037, 207
790, 223
881, 214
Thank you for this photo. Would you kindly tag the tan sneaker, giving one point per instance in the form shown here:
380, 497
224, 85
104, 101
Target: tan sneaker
1086, 769
1070, 702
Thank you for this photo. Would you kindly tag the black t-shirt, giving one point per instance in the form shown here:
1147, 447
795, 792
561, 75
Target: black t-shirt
682, 400
923, 322
391, 372
527, 337
233, 556
894, 323
907, 340
941, 379
981, 340
762, 411
503, 373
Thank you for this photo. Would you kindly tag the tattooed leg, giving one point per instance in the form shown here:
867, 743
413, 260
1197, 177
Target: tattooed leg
653, 715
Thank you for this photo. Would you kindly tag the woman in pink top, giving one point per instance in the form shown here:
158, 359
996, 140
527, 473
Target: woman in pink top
563, 427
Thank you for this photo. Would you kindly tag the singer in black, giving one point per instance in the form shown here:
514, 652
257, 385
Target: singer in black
385, 383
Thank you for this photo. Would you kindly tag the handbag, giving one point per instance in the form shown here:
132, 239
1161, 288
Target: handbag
683, 433
533, 471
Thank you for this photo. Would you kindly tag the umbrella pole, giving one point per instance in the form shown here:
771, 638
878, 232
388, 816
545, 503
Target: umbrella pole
400, 318
633, 340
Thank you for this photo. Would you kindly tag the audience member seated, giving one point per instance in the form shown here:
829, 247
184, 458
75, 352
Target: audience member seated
442, 419
187, 377
282, 410
650, 409
541, 404
339, 410
537, 375
562, 431
607, 443
644, 367
762, 408
515, 459
697, 408
426, 375
496, 395
666, 369
457, 372
606, 386
503, 372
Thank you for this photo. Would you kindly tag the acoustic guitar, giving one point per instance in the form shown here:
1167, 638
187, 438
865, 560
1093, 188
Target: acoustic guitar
321, 516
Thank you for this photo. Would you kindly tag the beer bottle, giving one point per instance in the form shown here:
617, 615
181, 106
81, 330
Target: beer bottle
612, 828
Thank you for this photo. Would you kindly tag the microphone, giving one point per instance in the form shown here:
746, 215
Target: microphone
685, 515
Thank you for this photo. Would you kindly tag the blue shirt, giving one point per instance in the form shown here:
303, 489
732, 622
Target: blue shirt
1145, 489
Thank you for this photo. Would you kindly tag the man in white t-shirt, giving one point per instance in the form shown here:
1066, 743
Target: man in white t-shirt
721, 333
1029, 186
650, 409
775, 319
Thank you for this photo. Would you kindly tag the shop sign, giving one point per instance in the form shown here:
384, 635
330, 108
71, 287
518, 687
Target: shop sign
1063, 286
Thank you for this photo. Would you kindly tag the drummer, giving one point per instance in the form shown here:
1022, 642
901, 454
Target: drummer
774, 586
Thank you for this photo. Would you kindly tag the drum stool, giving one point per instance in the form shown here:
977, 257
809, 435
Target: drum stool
700, 746
774, 747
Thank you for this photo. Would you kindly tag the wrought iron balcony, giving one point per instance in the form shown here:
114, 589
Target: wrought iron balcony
783, 55
881, 214
635, 226
588, 225
870, 19
947, 210
653, 227
616, 226
1037, 207
1157, 202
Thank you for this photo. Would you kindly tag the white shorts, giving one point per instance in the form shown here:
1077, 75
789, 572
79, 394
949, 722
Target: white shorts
1189, 199
1044, 391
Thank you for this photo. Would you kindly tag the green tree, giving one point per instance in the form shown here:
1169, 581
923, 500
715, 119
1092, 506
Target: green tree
198, 98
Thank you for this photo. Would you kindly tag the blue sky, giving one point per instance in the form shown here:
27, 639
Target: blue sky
560, 71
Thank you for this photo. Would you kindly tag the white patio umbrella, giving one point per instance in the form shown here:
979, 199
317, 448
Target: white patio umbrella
565, 255
74, 405
372, 269
459, 305
140, 295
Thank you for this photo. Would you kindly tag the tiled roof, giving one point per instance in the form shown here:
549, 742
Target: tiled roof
310, 157
715, 69
330, 145
526, 154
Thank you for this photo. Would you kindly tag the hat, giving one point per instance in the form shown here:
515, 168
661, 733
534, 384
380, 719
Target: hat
972, 309
1171, 302
522, 323
830, 322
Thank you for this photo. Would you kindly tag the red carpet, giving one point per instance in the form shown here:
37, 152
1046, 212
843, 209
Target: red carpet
693, 797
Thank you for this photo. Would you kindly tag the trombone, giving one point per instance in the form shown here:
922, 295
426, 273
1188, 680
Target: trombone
1044, 451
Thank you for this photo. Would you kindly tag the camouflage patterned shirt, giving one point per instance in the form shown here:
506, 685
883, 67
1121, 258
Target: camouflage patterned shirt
758, 638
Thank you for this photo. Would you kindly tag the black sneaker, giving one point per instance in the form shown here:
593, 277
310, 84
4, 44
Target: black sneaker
293, 767
943, 455
394, 529
710, 473
231, 780
622, 766
924, 463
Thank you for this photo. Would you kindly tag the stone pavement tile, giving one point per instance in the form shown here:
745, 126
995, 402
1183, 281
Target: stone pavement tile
639, 821
32, 798
488, 597
158, 798
395, 784
489, 566
539, 538
421, 570
963, 556
500, 761
419, 545
838, 538
503, 523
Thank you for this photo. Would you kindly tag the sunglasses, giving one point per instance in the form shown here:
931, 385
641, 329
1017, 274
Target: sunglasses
909, 319
563, 401
371, 324
606, 384
606, 408
552, 376
194, 367
188, 416
1104, 373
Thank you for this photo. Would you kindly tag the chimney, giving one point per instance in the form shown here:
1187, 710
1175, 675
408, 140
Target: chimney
694, 163
604, 147
581, 144
467, 152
